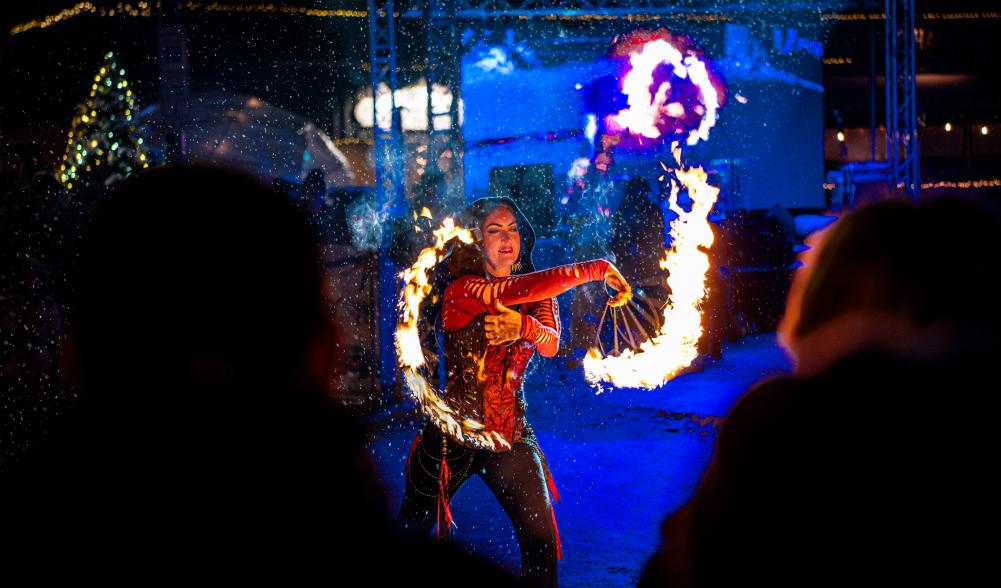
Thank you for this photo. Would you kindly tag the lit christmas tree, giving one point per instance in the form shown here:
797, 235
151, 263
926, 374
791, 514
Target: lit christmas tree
103, 146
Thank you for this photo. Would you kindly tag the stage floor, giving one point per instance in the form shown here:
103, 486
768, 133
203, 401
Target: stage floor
622, 460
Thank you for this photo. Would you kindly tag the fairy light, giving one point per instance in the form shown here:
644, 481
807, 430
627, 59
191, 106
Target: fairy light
91, 140
965, 185
47, 21
275, 9
865, 16
353, 141
146, 10
636, 17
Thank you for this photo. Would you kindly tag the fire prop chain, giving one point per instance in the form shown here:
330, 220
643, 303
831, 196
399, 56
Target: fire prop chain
411, 355
673, 346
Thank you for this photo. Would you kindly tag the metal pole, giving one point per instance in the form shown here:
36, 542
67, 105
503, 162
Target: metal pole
872, 90
912, 114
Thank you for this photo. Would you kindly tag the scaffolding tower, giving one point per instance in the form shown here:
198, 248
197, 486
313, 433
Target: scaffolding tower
902, 153
443, 68
387, 151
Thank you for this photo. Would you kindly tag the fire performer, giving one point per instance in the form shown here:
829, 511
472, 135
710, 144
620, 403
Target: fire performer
496, 314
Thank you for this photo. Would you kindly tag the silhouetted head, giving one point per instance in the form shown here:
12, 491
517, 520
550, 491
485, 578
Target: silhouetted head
196, 276
925, 270
894, 315
202, 351
635, 204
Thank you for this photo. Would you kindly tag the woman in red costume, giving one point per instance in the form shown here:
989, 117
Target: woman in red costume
495, 315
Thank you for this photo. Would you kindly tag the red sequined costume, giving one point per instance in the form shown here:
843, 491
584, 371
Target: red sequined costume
485, 381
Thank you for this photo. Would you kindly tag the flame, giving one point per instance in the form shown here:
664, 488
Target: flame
480, 366
644, 115
673, 347
410, 354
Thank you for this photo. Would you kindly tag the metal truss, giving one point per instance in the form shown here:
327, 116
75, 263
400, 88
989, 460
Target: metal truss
387, 151
444, 53
902, 153
482, 9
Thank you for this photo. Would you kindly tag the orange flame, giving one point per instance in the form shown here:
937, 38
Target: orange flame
673, 347
410, 354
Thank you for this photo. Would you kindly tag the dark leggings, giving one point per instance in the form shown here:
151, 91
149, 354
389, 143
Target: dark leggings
516, 478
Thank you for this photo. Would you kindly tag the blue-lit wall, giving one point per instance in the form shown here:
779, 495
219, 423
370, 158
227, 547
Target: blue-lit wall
524, 105
768, 143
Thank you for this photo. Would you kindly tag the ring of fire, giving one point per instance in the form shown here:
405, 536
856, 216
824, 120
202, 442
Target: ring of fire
411, 355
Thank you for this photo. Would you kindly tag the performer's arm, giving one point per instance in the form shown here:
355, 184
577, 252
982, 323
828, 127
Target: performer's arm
541, 326
470, 296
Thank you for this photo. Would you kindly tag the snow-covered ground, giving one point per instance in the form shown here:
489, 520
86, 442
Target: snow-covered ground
622, 460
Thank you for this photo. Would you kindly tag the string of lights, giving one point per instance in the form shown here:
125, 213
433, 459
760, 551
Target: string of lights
992, 183
963, 185
47, 21
862, 16
275, 9
636, 17
102, 144
147, 9
353, 141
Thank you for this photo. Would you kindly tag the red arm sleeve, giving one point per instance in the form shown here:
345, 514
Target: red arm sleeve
471, 296
541, 326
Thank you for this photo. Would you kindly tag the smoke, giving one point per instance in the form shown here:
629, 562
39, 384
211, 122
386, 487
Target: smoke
366, 222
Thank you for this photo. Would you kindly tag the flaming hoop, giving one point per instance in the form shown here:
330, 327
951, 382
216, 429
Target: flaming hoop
411, 355
673, 346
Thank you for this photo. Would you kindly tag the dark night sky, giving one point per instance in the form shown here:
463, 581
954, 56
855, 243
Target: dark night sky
296, 62
311, 65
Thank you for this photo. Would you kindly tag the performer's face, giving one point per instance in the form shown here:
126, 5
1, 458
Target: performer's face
501, 242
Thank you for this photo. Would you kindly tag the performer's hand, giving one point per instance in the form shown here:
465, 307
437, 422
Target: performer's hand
503, 327
614, 280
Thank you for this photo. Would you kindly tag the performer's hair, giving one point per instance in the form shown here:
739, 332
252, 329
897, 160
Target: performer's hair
465, 260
